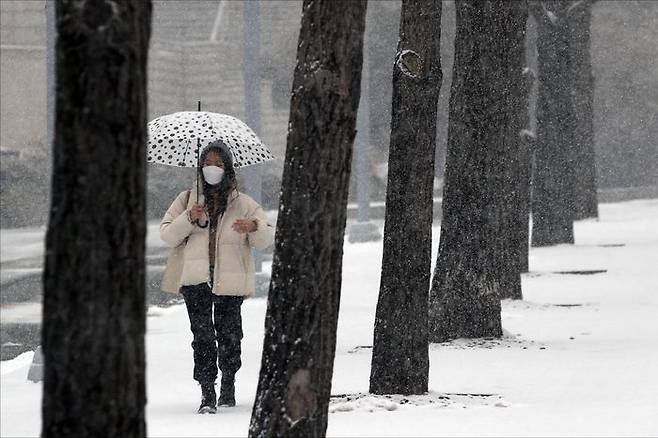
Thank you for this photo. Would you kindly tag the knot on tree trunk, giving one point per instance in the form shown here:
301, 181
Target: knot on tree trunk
410, 63
302, 398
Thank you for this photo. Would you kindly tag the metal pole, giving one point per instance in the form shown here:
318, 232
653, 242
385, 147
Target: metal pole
252, 100
51, 38
35, 373
363, 230
252, 87
363, 144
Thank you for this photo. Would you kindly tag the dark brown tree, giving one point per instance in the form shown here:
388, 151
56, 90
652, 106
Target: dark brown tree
300, 324
482, 171
585, 188
94, 283
553, 176
400, 362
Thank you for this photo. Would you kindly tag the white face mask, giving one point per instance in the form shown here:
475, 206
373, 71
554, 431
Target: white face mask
213, 174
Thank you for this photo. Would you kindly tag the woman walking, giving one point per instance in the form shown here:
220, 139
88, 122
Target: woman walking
215, 269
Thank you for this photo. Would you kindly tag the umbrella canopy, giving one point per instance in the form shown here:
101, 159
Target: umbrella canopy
176, 139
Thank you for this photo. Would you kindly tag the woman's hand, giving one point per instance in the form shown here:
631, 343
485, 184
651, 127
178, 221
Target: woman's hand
196, 212
245, 226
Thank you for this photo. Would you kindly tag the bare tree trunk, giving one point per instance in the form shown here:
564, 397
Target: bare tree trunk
300, 325
400, 361
513, 248
526, 157
482, 172
585, 193
527, 152
553, 177
94, 284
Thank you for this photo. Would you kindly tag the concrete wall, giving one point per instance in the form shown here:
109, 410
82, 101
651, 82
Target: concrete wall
184, 65
23, 22
22, 97
22, 74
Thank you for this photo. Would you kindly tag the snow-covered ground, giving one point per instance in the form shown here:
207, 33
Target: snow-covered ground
580, 356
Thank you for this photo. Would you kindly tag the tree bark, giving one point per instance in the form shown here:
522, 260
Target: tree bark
553, 177
526, 157
94, 283
400, 361
482, 172
300, 325
585, 193
514, 245
530, 137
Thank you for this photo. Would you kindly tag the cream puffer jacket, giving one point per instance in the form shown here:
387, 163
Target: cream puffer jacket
234, 272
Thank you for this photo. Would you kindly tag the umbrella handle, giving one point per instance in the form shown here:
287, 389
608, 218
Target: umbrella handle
201, 226
198, 166
198, 159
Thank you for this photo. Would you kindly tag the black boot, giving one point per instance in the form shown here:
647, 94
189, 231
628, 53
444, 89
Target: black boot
227, 391
208, 399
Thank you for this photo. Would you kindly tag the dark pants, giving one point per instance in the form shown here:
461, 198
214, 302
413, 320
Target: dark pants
216, 324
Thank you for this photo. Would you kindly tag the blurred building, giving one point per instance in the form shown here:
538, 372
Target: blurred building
22, 75
196, 55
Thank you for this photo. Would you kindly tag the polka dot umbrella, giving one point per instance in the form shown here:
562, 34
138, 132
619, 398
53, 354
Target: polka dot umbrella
176, 139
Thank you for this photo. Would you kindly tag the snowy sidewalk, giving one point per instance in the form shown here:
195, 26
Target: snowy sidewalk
579, 357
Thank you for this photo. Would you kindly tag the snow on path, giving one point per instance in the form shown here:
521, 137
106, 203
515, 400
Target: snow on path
579, 356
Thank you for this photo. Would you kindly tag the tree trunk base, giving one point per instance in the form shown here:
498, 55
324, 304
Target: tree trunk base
464, 317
